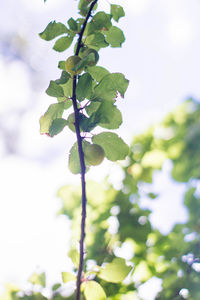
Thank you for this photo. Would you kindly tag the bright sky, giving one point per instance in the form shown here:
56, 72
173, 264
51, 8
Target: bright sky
161, 60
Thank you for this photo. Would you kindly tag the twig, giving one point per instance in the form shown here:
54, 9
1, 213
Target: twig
84, 25
82, 162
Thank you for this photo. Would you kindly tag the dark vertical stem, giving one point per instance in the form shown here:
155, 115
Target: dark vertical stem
81, 158
84, 25
83, 185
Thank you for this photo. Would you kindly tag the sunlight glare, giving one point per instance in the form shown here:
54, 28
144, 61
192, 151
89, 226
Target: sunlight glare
37, 5
180, 31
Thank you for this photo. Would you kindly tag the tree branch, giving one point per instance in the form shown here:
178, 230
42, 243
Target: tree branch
83, 186
83, 27
81, 158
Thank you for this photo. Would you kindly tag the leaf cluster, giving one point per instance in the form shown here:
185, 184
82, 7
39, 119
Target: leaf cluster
173, 258
97, 90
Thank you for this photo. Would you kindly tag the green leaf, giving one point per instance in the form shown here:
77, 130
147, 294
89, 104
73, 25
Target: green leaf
54, 111
39, 279
120, 82
53, 30
117, 12
62, 43
112, 117
91, 122
72, 25
92, 107
74, 163
109, 86
114, 36
84, 87
116, 271
96, 41
67, 102
152, 195
142, 271
81, 64
105, 114
84, 6
56, 286
61, 65
84, 62
105, 90
54, 90
101, 20
79, 23
93, 291
113, 145
67, 88
97, 72
82, 122
64, 78
75, 257
67, 276
57, 126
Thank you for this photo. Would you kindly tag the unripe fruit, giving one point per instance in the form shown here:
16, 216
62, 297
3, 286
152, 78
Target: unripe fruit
86, 51
70, 64
94, 154
71, 121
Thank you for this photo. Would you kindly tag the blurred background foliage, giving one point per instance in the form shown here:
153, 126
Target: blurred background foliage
119, 225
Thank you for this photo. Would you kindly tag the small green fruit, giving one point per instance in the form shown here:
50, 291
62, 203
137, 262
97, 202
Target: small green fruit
94, 154
71, 121
70, 64
86, 51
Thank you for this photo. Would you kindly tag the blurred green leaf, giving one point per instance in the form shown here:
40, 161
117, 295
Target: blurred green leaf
116, 271
61, 65
93, 290
56, 286
38, 279
75, 256
152, 195
68, 276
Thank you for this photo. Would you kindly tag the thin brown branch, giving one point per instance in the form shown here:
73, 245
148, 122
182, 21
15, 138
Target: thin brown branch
83, 27
82, 162
83, 186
